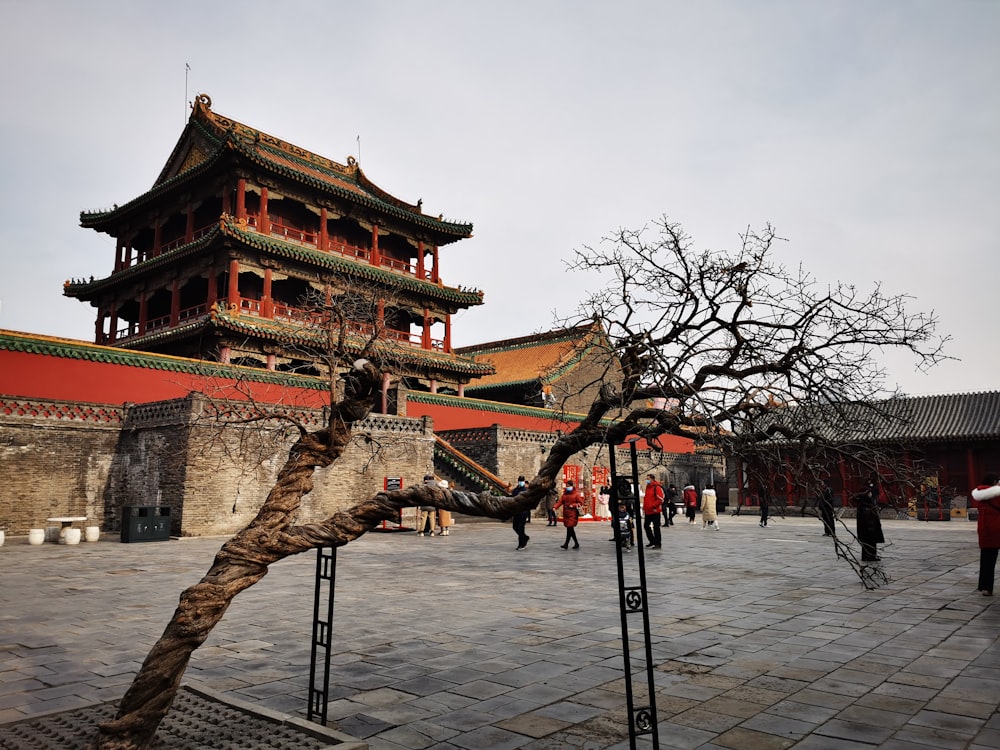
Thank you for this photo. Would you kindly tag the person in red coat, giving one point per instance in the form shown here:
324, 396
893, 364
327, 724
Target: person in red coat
987, 498
690, 502
570, 502
652, 507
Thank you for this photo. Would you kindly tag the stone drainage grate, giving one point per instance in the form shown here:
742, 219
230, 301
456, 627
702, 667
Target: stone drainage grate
200, 719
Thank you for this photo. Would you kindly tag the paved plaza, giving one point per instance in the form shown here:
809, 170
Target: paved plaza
761, 638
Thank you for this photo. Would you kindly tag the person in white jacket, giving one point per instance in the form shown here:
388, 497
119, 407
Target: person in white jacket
708, 514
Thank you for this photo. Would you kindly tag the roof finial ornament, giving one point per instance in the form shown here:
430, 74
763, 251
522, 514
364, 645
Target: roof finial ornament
205, 100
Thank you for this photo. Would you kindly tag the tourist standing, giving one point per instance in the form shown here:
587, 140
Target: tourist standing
652, 507
626, 530
869, 525
826, 511
570, 503
425, 517
690, 502
708, 514
987, 498
671, 510
521, 517
765, 510
444, 516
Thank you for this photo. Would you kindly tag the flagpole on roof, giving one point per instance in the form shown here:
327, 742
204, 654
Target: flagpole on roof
187, 69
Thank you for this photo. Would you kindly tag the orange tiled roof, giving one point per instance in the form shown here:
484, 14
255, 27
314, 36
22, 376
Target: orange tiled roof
539, 357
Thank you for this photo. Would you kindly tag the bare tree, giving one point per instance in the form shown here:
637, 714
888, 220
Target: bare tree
719, 342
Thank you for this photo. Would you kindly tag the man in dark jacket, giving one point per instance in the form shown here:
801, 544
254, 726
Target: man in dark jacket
521, 518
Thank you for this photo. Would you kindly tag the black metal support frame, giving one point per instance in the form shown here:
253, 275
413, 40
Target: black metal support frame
633, 602
322, 634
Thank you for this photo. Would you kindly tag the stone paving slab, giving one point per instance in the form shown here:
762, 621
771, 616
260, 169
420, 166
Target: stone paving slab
761, 638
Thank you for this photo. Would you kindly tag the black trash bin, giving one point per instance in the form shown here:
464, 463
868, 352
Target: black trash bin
145, 523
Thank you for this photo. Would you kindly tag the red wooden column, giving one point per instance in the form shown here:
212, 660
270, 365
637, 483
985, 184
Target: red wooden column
324, 237
119, 254
266, 303
435, 274
843, 483
447, 333
99, 327
376, 256
113, 327
461, 390
264, 223
970, 463
213, 290
421, 272
270, 362
241, 199
385, 393
157, 237
175, 303
233, 293
143, 312
189, 225
425, 335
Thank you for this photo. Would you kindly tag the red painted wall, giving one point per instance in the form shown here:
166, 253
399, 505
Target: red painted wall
26, 375
30, 375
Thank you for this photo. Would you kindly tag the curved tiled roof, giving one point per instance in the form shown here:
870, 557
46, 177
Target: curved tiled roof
905, 419
289, 161
542, 357
275, 247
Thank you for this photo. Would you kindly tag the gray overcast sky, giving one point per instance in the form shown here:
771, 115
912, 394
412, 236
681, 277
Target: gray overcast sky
865, 132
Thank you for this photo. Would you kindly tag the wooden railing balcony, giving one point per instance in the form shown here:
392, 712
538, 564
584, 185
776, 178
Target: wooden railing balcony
333, 245
162, 322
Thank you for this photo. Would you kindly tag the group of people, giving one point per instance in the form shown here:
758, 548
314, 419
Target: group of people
660, 502
659, 506
430, 517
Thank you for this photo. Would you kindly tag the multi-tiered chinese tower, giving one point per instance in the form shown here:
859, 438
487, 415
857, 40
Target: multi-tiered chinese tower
220, 259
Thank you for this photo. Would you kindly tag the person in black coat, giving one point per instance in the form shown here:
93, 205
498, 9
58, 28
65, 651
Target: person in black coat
826, 511
869, 527
521, 518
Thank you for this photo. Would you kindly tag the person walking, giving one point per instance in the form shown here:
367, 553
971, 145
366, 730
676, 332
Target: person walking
521, 518
652, 507
570, 503
690, 502
987, 499
708, 514
551, 498
671, 510
765, 510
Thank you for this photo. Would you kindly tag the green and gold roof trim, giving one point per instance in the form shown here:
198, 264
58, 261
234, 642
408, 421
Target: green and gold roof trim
230, 227
498, 407
295, 334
